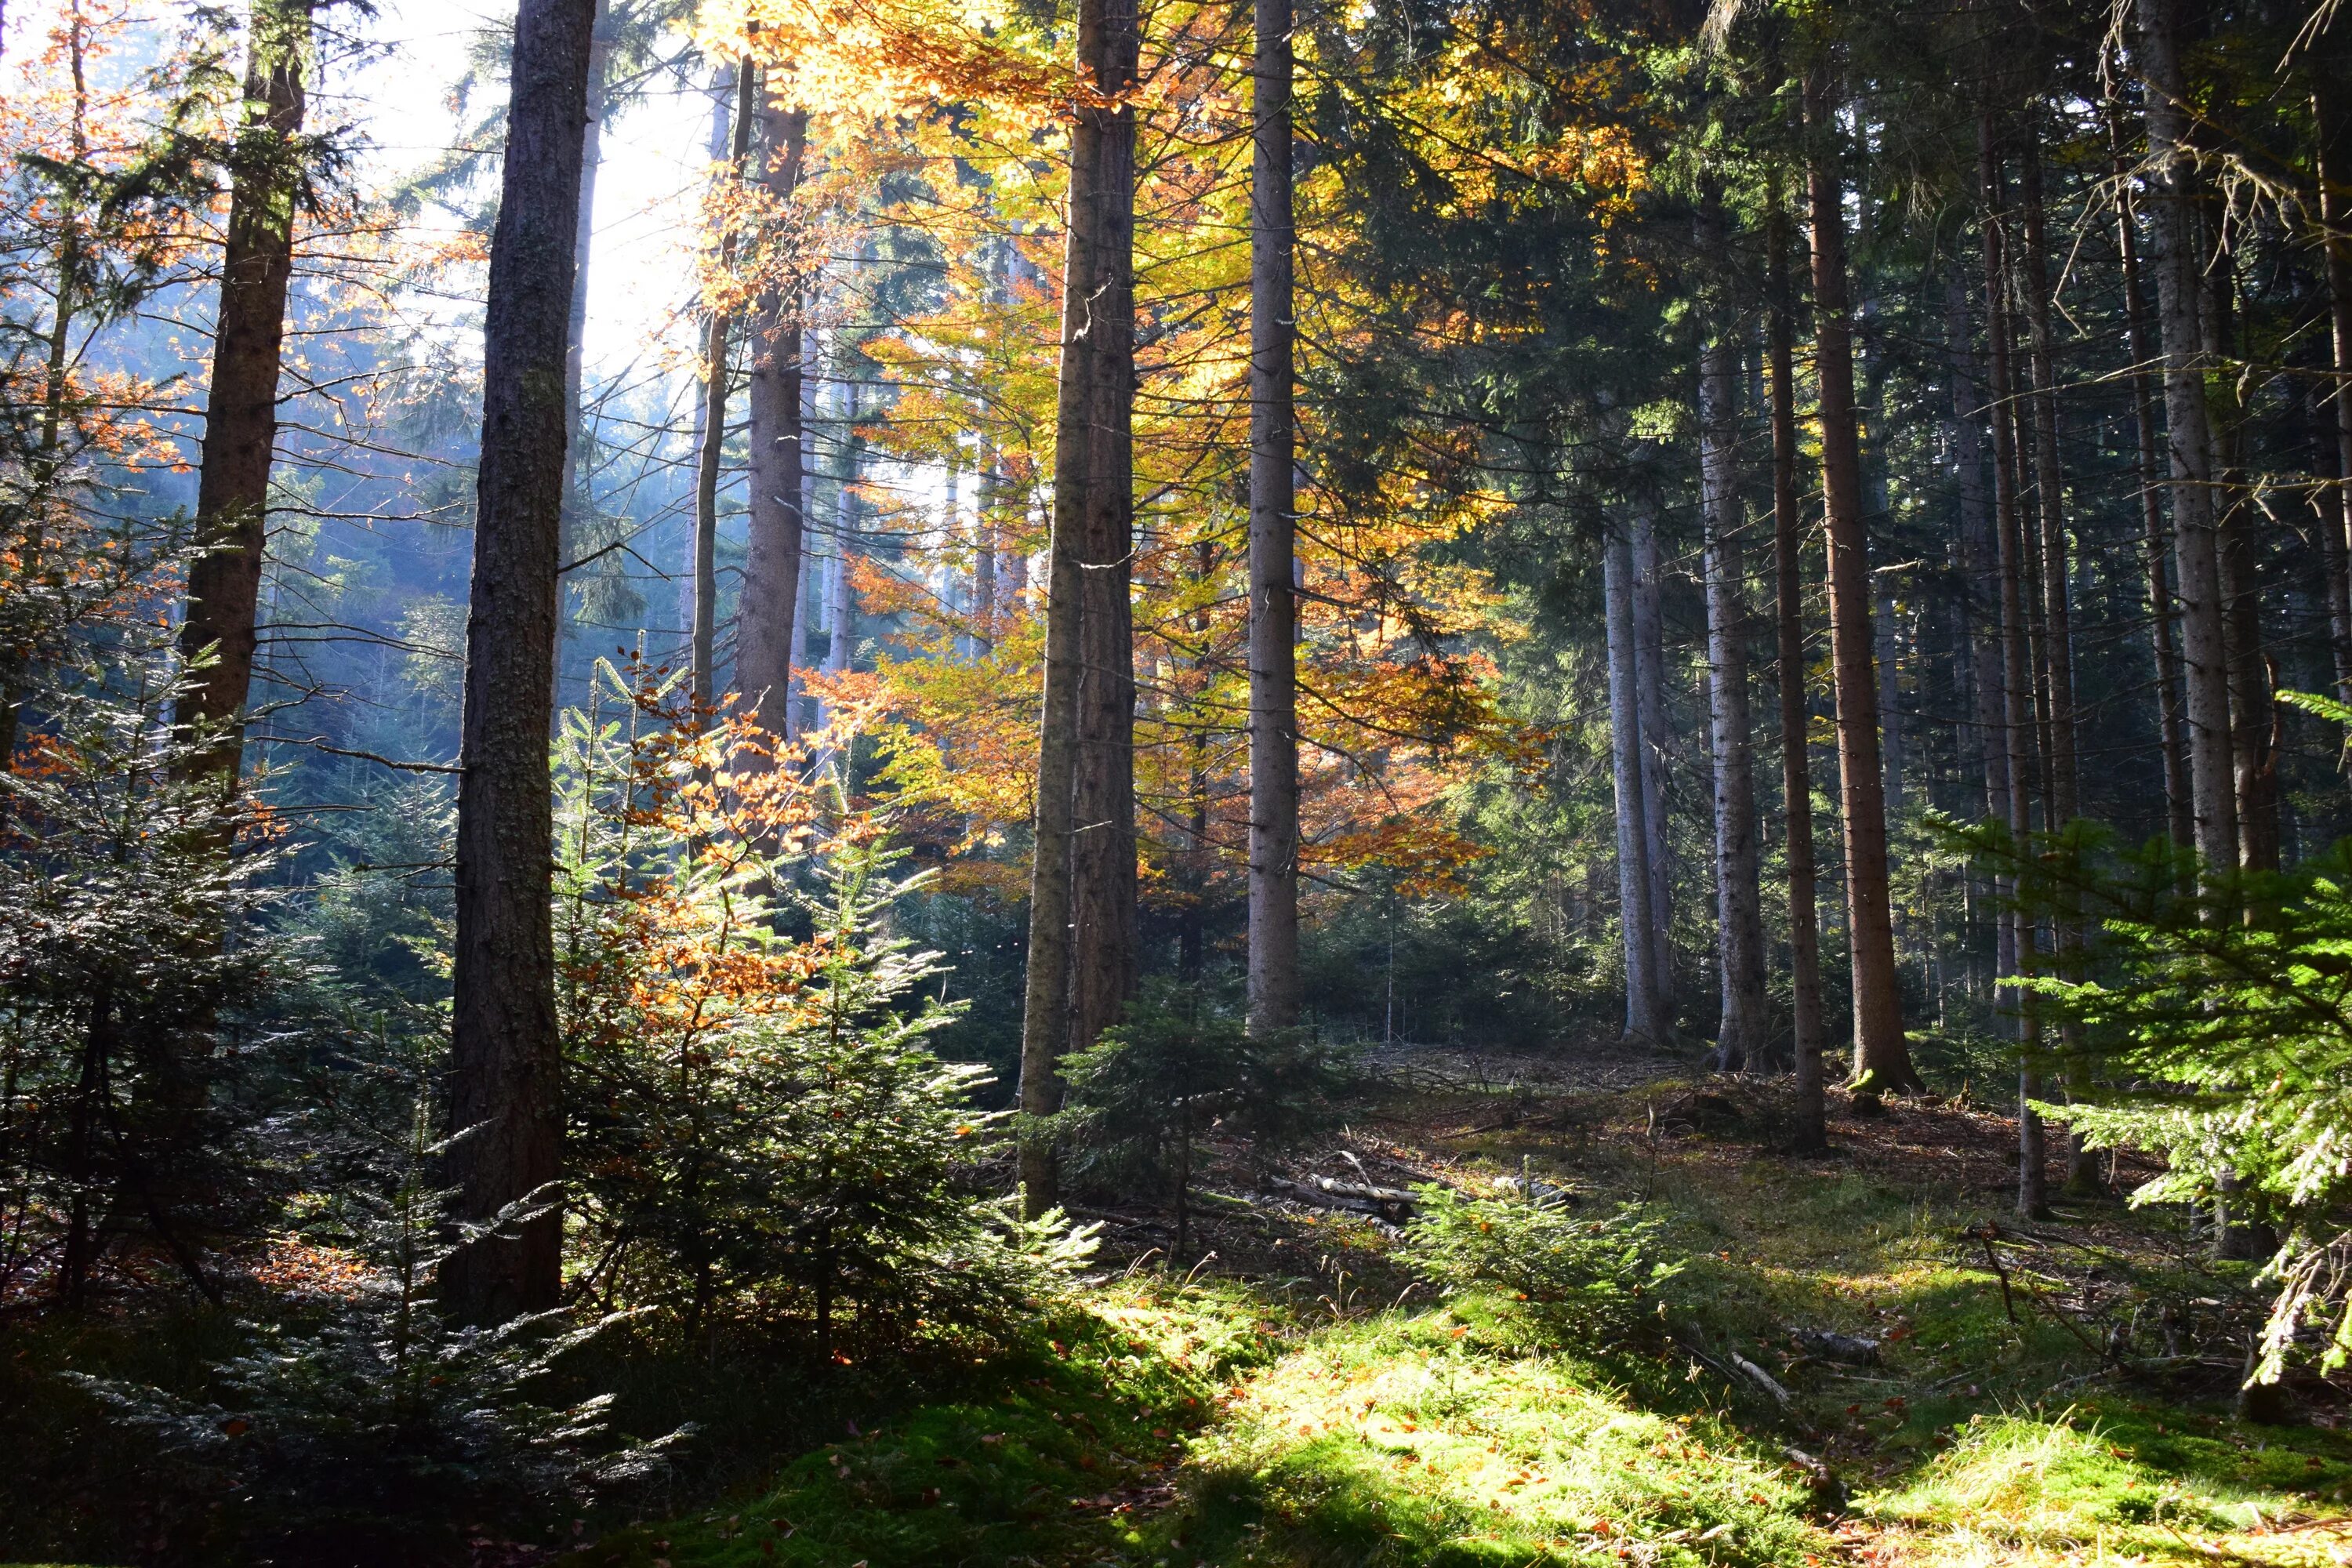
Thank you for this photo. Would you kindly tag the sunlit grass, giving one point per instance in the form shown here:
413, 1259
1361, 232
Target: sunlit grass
1424, 1439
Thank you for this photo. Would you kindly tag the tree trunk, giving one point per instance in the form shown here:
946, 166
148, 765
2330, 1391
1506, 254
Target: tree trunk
1740, 1036
241, 408
1273, 608
1644, 1012
767, 615
2017, 673
506, 1063
2050, 485
2180, 817
1810, 1036
1882, 1058
2172, 230
1082, 936
1980, 558
583, 240
2083, 1177
716, 334
2235, 550
2333, 120
1649, 672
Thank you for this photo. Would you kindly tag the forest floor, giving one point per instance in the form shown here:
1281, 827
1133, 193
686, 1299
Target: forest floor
2057, 1391
1291, 1396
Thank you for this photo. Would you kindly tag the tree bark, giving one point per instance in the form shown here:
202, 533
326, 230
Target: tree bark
717, 332
505, 1064
1741, 1035
1980, 558
1082, 936
1810, 1036
1649, 673
767, 615
584, 241
2189, 440
2333, 120
1644, 1010
2180, 817
1274, 610
2250, 708
2017, 670
1881, 1057
241, 408
2049, 480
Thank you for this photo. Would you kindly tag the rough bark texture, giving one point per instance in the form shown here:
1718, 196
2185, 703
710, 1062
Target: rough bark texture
2189, 440
505, 1089
1810, 1036
1273, 608
1644, 1015
583, 238
241, 408
767, 613
1881, 1057
1082, 935
1741, 1035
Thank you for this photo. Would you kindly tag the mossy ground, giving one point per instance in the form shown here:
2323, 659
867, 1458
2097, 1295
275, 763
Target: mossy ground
1299, 1401
1312, 1418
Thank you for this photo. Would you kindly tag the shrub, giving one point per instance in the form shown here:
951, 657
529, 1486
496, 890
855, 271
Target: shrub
1590, 1277
363, 1415
760, 1125
1142, 1099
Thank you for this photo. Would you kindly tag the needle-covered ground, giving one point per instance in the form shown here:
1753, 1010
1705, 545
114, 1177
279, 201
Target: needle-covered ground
1862, 1358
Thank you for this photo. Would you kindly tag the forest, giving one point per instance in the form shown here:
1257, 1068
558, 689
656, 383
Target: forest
1089, 784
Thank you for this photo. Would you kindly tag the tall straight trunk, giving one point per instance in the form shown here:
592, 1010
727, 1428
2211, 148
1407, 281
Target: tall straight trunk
767, 615
2049, 482
1979, 557
1645, 1012
718, 333
2017, 663
2332, 117
2057, 612
1082, 934
840, 604
583, 242
1881, 1057
1273, 609
2180, 817
2251, 709
2189, 438
1810, 1035
241, 408
1649, 686
1740, 1036
506, 1063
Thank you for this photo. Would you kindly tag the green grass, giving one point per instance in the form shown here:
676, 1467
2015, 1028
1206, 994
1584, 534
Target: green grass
1437, 1439
1088, 1422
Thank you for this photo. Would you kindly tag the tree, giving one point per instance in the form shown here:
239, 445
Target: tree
767, 624
267, 185
2189, 440
1882, 1058
1811, 1033
1740, 1037
1082, 898
1273, 614
1645, 1016
506, 1093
